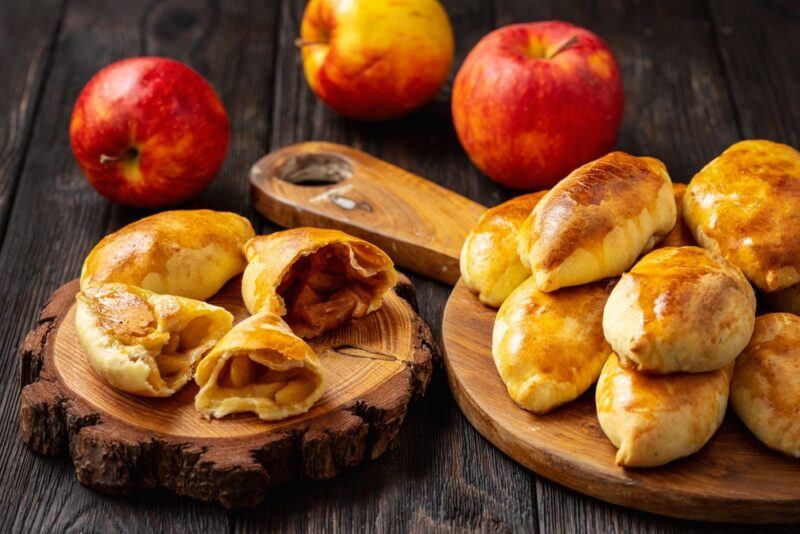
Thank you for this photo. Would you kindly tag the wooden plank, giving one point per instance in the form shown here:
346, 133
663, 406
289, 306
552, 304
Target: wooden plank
441, 475
27, 34
56, 218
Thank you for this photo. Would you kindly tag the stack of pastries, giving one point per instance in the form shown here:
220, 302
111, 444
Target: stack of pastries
619, 277
146, 329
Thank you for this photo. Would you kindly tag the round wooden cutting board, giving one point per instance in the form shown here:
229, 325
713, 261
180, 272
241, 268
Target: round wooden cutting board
119, 442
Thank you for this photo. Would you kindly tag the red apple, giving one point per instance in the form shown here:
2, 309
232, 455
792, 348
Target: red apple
149, 132
534, 101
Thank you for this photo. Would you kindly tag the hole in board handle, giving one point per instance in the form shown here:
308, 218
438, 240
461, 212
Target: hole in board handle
315, 169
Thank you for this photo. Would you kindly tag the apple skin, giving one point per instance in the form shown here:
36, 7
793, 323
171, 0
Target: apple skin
527, 120
376, 59
149, 132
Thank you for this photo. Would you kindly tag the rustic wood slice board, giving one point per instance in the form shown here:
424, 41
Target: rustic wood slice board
733, 478
118, 442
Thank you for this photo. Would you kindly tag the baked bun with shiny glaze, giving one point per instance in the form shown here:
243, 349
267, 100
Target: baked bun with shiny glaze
680, 309
490, 264
188, 253
595, 222
548, 347
765, 391
743, 206
654, 419
680, 235
315, 279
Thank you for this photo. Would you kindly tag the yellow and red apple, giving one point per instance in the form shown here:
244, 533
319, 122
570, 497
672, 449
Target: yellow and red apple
149, 132
375, 59
534, 101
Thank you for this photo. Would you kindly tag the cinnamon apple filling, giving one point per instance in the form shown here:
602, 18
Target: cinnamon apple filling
179, 353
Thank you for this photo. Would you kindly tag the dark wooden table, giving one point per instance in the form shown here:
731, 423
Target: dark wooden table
699, 75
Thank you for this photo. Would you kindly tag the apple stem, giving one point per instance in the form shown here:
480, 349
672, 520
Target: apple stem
563, 46
128, 154
300, 42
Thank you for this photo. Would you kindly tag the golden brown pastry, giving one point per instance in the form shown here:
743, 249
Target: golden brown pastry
549, 347
680, 235
145, 343
680, 309
743, 206
490, 264
189, 253
654, 419
260, 366
595, 222
316, 279
765, 391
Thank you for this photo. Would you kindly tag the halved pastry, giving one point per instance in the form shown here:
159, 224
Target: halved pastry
260, 366
765, 391
548, 347
743, 206
654, 419
189, 253
316, 279
490, 263
680, 309
595, 222
145, 343
680, 235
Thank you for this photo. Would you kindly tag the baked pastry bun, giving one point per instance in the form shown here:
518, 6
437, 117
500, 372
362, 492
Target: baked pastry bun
765, 391
548, 347
145, 343
260, 366
189, 253
743, 206
680, 309
680, 235
654, 419
316, 279
490, 264
595, 222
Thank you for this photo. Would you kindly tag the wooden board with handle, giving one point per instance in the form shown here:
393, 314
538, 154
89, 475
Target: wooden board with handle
733, 478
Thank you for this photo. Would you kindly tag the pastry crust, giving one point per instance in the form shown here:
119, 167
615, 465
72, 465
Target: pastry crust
189, 253
680, 309
490, 264
260, 366
653, 420
548, 347
765, 391
743, 206
597, 221
316, 279
145, 343
680, 235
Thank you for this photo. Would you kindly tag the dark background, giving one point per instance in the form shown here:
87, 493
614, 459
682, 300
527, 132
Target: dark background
699, 75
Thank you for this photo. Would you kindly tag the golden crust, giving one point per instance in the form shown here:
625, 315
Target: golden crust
317, 279
260, 366
743, 206
765, 391
680, 309
654, 419
490, 263
189, 253
548, 347
680, 235
597, 221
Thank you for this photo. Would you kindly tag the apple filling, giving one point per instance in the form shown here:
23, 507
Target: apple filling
327, 288
182, 349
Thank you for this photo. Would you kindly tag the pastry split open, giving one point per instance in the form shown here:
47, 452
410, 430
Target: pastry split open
316, 279
260, 366
144, 343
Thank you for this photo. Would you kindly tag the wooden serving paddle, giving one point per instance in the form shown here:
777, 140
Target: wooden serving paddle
422, 226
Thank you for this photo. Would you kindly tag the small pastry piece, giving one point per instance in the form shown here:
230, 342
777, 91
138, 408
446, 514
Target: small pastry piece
189, 253
260, 366
743, 206
680, 235
549, 347
765, 391
144, 343
490, 263
316, 279
595, 222
680, 309
654, 419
